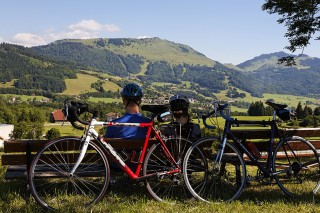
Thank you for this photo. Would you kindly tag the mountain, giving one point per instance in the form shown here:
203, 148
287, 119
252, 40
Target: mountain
121, 56
266, 61
272, 77
161, 66
148, 60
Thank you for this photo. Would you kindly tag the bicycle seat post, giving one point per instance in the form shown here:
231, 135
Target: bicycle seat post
274, 116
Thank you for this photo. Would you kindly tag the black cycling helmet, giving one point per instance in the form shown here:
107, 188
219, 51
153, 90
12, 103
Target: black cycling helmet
179, 102
132, 90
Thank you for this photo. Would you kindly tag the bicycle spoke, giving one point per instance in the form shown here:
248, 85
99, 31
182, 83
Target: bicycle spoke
296, 172
50, 178
166, 187
209, 182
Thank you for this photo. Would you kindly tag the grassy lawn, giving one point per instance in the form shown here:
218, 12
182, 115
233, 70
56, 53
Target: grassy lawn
290, 100
65, 129
124, 196
106, 100
9, 84
24, 97
80, 85
83, 84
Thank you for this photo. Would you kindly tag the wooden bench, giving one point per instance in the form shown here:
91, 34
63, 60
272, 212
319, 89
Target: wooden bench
18, 154
261, 137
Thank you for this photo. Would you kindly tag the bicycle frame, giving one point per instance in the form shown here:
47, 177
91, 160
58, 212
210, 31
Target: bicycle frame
227, 134
91, 133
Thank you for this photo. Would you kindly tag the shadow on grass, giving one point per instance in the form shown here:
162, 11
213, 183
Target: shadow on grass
261, 193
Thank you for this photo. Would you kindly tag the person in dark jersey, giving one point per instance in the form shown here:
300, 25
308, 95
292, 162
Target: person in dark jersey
179, 106
181, 125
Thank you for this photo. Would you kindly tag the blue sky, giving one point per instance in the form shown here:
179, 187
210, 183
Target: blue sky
228, 31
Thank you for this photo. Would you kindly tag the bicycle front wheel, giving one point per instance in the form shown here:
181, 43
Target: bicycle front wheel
296, 166
166, 187
210, 179
52, 184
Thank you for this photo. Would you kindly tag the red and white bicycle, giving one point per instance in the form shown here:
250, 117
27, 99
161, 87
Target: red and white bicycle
77, 169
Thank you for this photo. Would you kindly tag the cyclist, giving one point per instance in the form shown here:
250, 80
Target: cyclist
179, 106
131, 97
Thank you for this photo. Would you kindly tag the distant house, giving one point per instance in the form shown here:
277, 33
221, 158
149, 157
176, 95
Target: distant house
112, 115
5, 132
57, 116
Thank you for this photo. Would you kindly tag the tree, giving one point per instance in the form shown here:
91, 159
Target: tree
256, 109
301, 17
316, 111
310, 120
307, 111
299, 111
53, 133
269, 110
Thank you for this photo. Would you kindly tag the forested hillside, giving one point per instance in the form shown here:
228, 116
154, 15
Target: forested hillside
272, 77
90, 58
32, 71
149, 61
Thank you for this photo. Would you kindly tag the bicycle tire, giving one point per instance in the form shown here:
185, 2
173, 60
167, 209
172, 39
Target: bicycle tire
51, 185
296, 172
206, 180
166, 187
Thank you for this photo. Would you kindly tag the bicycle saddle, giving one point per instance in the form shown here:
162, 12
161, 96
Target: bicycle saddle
276, 106
155, 108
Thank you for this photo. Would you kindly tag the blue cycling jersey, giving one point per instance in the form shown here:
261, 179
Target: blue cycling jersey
126, 131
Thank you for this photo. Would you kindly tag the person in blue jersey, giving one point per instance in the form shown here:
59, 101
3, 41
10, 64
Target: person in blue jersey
131, 97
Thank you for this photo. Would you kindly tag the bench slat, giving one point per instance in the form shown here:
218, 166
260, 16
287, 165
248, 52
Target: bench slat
36, 145
15, 151
265, 133
15, 171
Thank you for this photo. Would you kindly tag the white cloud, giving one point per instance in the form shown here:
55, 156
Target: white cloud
93, 26
28, 39
76, 34
82, 30
1, 40
142, 37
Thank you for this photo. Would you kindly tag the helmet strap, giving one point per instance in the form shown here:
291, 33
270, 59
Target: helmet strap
129, 100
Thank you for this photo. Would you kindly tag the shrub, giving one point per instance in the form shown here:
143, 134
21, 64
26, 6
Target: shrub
53, 133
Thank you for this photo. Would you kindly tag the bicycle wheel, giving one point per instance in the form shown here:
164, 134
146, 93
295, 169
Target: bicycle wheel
296, 166
49, 175
208, 180
166, 187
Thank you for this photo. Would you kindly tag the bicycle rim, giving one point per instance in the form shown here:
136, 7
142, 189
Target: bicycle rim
50, 180
297, 172
206, 180
166, 187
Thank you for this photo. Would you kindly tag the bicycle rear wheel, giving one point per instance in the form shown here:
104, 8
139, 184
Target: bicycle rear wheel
51, 183
209, 181
166, 187
296, 165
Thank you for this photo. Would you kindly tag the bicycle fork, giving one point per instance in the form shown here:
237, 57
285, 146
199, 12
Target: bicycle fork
82, 154
218, 159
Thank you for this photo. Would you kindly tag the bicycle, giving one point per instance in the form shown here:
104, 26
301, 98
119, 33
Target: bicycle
215, 170
82, 176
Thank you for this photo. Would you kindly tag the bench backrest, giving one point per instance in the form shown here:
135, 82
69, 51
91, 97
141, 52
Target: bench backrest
21, 152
